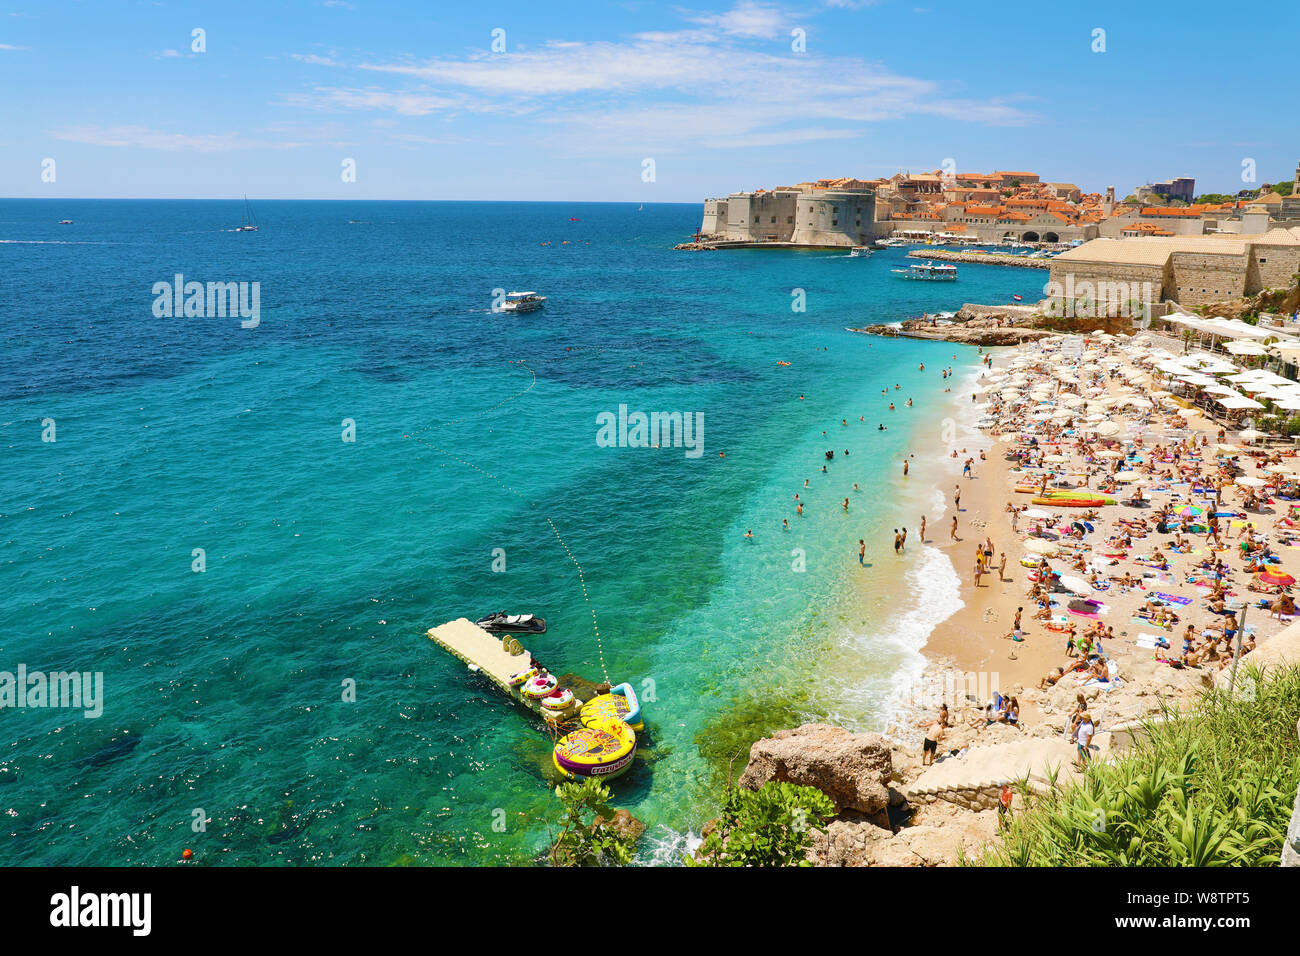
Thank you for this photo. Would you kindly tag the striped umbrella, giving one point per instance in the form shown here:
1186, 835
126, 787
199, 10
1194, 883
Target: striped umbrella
1276, 578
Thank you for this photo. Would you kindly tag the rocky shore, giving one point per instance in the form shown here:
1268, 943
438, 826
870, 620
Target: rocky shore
971, 325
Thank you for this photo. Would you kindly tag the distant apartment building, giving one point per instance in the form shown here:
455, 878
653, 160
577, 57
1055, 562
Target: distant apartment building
1182, 188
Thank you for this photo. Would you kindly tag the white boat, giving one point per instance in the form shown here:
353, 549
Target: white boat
859, 251
522, 302
249, 224
928, 272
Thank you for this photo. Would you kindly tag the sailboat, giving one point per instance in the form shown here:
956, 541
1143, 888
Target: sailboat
249, 224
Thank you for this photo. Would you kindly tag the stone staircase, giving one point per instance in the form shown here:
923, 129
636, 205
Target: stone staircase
975, 778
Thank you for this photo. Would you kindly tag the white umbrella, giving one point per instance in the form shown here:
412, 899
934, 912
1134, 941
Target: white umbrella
1245, 348
1036, 514
1128, 476
1107, 429
1077, 585
1250, 434
1040, 547
1251, 482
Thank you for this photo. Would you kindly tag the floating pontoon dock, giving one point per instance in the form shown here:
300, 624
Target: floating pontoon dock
481, 650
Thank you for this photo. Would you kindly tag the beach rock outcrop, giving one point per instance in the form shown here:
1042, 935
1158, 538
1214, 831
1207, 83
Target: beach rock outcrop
852, 769
624, 824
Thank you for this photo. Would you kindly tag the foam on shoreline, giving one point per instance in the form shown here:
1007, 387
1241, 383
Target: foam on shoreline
929, 594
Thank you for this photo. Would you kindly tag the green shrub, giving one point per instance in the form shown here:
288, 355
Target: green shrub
771, 826
584, 841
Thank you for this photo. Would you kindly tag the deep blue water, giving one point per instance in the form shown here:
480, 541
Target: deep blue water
326, 560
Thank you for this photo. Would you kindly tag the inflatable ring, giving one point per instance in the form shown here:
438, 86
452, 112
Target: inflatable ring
540, 686
524, 675
621, 704
603, 750
558, 700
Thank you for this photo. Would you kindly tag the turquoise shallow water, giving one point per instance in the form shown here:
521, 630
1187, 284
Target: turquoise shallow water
326, 561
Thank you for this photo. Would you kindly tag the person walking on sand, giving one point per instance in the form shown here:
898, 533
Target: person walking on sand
979, 569
862, 552
1002, 567
1084, 734
905, 468
953, 533
933, 735
956, 497
923, 529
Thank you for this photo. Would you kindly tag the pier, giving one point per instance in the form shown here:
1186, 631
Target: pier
482, 651
981, 258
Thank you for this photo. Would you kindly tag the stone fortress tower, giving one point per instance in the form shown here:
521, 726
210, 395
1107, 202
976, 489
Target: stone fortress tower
827, 213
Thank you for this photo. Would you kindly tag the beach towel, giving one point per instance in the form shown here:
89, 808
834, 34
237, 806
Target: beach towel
1173, 598
1143, 622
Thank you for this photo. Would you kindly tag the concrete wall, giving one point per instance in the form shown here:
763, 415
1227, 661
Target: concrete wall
1199, 279
1272, 267
1085, 280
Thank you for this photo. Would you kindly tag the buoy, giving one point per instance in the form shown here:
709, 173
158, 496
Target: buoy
187, 854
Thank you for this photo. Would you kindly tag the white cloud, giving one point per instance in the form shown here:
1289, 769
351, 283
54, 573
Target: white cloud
8, 46
718, 83
313, 59
402, 102
748, 18
143, 137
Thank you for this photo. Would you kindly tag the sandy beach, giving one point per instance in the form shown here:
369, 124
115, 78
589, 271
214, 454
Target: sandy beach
1145, 418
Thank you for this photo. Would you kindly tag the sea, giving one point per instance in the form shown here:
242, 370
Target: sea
245, 525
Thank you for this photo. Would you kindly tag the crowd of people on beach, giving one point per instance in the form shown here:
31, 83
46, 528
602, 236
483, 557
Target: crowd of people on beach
1149, 539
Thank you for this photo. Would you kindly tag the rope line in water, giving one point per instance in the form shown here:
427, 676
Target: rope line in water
582, 579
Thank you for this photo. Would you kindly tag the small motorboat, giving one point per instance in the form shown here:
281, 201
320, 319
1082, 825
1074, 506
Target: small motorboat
501, 622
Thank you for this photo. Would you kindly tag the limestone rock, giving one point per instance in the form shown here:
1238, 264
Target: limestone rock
624, 824
851, 769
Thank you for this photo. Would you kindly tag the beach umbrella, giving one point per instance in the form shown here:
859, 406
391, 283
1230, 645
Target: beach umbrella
1036, 514
1127, 476
1040, 547
1056, 458
1223, 450
1251, 482
1190, 511
1108, 429
1077, 585
1110, 453
1250, 434
1276, 578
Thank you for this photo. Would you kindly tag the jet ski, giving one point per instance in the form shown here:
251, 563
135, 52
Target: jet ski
502, 622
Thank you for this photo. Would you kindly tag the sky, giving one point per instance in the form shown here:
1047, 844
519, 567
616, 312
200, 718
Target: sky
632, 101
